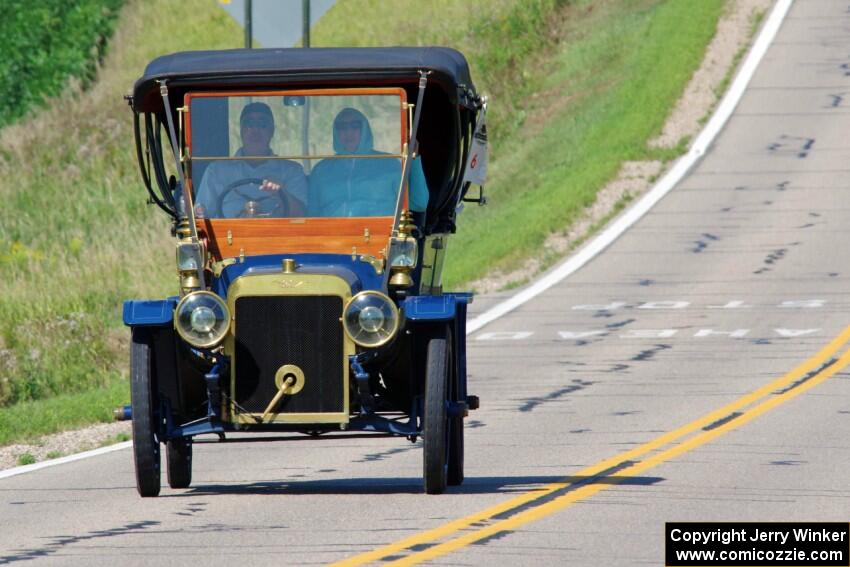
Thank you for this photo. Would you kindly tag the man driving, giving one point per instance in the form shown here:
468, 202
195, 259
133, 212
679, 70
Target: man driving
251, 187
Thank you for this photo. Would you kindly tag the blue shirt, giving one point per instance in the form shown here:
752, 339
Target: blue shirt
363, 186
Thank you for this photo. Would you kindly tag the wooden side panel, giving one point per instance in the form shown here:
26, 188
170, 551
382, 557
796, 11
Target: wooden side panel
227, 238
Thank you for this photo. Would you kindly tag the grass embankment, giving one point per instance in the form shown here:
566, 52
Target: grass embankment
618, 77
576, 88
27, 419
76, 237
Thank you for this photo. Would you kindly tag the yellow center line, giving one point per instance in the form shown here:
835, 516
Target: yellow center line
812, 370
552, 506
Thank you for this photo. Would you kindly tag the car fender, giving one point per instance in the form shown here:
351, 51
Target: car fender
149, 313
430, 308
450, 308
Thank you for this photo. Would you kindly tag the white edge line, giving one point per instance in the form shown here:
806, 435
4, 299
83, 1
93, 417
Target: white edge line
62, 460
664, 185
595, 246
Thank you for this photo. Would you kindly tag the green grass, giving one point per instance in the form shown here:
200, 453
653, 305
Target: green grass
119, 438
26, 459
76, 236
44, 43
576, 87
620, 75
26, 421
550, 257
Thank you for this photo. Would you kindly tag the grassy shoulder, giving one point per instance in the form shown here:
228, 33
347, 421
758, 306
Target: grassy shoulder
608, 92
27, 421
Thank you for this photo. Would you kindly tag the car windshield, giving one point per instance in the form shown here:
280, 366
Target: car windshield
297, 154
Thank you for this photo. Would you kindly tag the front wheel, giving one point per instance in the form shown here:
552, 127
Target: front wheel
455, 459
435, 435
145, 444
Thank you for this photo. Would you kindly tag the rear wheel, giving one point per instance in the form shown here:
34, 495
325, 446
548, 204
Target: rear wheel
145, 444
435, 435
178, 456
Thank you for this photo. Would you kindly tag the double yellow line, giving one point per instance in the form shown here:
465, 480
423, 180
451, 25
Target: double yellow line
538, 504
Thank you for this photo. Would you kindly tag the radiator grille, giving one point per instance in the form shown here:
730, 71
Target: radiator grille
277, 330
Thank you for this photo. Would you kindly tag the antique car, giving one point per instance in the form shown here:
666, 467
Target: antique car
312, 194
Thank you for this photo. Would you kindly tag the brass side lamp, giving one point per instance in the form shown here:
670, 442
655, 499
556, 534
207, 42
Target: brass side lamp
403, 252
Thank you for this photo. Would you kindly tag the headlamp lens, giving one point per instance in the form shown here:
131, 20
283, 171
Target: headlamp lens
202, 319
371, 319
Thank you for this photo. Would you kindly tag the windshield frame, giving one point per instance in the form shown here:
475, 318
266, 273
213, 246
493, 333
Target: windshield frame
404, 131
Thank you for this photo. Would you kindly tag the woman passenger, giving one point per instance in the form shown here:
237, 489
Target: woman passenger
360, 186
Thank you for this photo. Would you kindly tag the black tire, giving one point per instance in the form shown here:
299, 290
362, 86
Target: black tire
454, 473
455, 434
178, 458
145, 443
435, 435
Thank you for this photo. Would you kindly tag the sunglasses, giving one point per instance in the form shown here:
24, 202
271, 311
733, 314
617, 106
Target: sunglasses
348, 125
256, 123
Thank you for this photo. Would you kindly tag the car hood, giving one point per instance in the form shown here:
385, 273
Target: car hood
358, 274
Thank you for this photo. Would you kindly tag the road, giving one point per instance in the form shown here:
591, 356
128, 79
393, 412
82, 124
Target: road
694, 371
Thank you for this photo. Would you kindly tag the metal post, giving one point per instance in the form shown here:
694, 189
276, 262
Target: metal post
248, 31
305, 135
305, 122
305, 29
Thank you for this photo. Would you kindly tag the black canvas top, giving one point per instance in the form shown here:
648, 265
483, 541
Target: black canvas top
255, 68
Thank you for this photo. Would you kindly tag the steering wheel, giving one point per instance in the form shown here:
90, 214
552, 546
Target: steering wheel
283, 202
